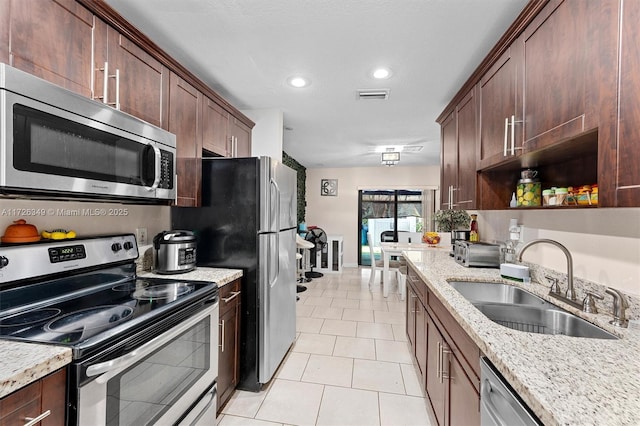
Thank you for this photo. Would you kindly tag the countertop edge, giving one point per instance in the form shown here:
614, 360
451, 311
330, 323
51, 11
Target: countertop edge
24, 363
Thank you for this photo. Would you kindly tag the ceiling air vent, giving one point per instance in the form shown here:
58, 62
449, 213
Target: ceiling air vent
380, 94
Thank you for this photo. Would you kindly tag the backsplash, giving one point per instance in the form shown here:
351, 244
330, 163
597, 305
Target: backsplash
605, 306
85, 218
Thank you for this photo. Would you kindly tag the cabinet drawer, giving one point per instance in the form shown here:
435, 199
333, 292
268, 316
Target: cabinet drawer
418, 285
229, 296
18, 401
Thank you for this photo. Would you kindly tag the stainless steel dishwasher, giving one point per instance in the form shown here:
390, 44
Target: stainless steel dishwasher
499, 404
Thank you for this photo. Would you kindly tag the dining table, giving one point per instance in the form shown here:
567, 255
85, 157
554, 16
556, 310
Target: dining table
389, 249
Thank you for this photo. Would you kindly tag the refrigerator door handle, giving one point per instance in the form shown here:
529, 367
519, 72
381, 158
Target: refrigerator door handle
277, 196
277, 230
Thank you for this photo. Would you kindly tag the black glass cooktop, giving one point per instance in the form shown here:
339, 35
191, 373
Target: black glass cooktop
93, 313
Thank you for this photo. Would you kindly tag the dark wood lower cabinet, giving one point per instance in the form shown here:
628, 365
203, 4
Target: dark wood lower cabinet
228, 350
48, 393
445, 356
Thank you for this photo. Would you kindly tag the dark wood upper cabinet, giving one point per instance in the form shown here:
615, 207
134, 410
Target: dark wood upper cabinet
215, 129
458, 162
559, 94
185, 111
626, 158
557, 73
137, 82
449, 160
5, 25
497, 97
241, 138
51, 40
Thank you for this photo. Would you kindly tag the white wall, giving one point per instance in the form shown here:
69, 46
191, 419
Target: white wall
339, 215
266, 136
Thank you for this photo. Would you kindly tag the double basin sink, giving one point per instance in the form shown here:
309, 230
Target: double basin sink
518, 309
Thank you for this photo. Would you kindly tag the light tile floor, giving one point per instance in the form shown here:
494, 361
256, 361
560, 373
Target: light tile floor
350, 364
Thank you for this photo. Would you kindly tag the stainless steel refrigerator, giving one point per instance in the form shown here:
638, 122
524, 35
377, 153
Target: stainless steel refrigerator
248, 221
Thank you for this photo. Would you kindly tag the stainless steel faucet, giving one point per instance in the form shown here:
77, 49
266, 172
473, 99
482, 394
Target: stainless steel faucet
620, 306
571, 297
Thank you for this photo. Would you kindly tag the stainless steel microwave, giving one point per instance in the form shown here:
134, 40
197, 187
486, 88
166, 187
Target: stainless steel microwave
54, 142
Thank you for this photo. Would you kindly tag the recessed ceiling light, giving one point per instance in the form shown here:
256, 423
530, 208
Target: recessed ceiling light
298, 82
381, 73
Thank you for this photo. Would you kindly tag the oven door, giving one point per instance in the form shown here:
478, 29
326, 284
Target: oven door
159, 382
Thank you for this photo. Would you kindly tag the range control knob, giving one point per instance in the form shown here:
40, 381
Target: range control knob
128, 245
116, 247
3, 262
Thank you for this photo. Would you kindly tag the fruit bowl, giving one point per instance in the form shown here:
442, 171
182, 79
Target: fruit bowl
431, 238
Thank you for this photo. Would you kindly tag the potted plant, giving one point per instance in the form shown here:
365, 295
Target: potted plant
452, 220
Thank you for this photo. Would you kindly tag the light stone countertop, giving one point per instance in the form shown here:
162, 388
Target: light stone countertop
24, 363
218, 275
565, 380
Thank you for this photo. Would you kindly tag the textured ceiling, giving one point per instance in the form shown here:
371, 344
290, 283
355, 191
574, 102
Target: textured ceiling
246, 49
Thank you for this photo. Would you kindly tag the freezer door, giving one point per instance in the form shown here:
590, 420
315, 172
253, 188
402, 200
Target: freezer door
277, 310
278, 190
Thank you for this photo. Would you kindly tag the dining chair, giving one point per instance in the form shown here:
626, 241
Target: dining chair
378, 264
409, 237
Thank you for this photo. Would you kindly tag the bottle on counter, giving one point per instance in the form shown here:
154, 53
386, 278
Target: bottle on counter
474, 235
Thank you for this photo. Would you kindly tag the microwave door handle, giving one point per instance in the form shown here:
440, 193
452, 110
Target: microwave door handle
158, 165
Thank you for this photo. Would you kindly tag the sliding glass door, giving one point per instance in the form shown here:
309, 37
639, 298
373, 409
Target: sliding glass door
384, 213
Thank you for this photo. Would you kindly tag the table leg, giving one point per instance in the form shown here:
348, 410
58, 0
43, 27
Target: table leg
385, 274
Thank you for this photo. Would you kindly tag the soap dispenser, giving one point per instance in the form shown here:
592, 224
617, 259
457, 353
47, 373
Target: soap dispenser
512, 241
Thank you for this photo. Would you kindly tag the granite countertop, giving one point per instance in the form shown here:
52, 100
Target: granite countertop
565, 380
24, 363
219, 275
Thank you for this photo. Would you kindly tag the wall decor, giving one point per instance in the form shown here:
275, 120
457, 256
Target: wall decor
329, 187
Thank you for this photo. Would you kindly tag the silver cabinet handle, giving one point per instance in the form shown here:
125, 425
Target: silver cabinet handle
117, 103
221, 345
234, 294
30, 421
513, 135
506, 132
105, 86
439, 363
444, 359
105, 83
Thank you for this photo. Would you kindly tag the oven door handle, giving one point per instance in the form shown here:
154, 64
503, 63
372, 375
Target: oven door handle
147, 348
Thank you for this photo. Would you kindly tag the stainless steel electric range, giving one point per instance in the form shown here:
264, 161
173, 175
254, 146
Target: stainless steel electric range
144, 349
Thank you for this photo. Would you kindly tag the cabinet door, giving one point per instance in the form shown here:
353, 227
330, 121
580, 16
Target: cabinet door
215, 129
412, 301
627, 169
137, 83
184, 122
436, 386
449, 161
464, 399
497, 98
465, 194
241, 135
54, 398
228, 362
421, 340
52, 40
558, 59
